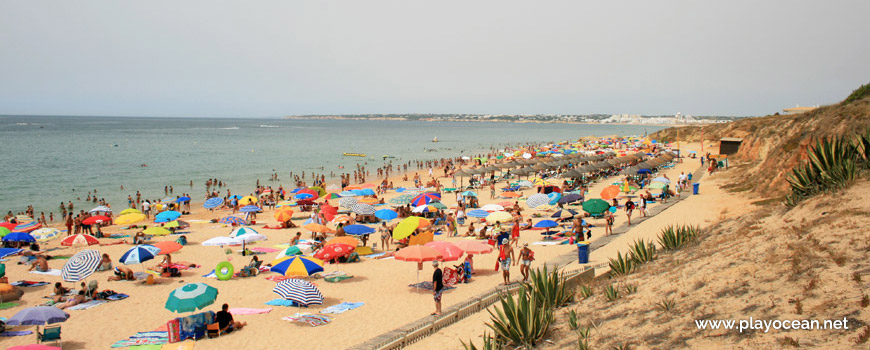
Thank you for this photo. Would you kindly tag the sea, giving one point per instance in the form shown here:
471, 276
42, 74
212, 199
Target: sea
51, 159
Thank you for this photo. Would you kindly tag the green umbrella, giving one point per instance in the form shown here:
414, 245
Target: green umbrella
595, 206
190, 297
402, 200
4, 231
658, 185
438, 205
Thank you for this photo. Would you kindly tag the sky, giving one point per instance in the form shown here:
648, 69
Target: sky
275, 58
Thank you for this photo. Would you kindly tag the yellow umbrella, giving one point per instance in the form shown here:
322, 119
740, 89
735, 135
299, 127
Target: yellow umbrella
156, 231
353, 242
128, 219
320, 191
171, 224
130, 211
283, 214
247, 200
408, 225
499, 216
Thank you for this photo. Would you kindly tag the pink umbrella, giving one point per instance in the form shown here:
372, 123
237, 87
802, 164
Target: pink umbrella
417, 253
79, 240
449, 251
473, 247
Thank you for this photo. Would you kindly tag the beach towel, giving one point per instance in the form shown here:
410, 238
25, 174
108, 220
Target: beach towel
281, 302
61, 257
28, 284
7, 305
338, 278
15, 333
274, 278
117, 236
340, 308
113, 243
547, 243
313, 320
143, 338
264, 250
147, 347
247, 311
428, 286
50, 272
374, 255
117, 296
87, 305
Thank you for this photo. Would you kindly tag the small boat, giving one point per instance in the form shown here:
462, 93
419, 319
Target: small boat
354, 154
435, 139
388, 157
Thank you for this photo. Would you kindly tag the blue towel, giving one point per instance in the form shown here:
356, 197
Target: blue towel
340, 308
15, 333
283, 302
119, 296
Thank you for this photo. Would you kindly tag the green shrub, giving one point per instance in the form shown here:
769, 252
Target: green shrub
611, 293
548, 287
642, 252
621, 265
832, 164
585, 292
630, 289
675, 237
863, 149
520, 320
489, 343
859, 93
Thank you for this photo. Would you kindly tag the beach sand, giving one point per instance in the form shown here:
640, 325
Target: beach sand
381, 284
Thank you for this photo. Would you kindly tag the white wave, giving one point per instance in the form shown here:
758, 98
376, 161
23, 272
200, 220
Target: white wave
269, 126
231, 128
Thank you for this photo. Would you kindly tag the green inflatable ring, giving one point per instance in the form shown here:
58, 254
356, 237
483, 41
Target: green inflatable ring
219, 271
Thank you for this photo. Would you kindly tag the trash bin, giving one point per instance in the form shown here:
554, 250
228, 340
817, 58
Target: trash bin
583, 252
695, 187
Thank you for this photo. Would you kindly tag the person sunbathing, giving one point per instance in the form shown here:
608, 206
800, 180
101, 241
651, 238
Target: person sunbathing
59, 292
41, 264
122, 273
77, 299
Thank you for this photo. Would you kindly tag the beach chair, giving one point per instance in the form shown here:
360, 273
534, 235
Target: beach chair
49, 334
213, 330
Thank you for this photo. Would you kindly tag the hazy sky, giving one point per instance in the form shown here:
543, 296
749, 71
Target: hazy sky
274, 58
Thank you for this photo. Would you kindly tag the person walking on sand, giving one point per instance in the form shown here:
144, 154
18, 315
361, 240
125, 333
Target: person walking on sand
526, 257
505, 256
608, 223
629, 208
437, 287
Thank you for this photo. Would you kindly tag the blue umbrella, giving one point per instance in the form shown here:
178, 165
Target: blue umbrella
303, 196
297, 189
19, 237
139, 254
358, 230
302, 292
167, 216
565, 213
546, 224
37, 316
235, 196
367, 192
81, 265
554, 197
8, 251
386, 214
348, 194
213, 203
182, 199
250, 209
311, 265
359, 192
469, 194
644, 171
569, 198
229, 220
478, 213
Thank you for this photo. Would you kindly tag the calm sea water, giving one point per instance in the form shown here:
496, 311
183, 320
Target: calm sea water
47, 160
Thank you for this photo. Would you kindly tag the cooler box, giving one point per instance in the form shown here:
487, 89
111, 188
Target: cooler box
695, 187
174, 329
583, 252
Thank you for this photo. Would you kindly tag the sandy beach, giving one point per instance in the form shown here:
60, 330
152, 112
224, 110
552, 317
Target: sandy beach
382, 285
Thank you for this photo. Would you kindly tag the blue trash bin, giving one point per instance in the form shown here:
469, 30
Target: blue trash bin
695, 187
583, 252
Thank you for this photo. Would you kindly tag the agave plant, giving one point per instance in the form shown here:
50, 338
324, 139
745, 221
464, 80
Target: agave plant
832, 164
675, 237
585, 292
621, 265
642, 252
547, 287
489, 343
863, 149
666, 304
520, 320
611, 293
630, 289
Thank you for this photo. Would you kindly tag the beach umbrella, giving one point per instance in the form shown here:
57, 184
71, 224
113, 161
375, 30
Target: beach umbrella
96, 218
220, 241
477, 213
229, 220
284, 204
319, 190
304, 196
167, 216
297, 266
499, 216
358, 230
449, 251
554, 198
8, 225
18, 237
407, 226
241, 231
130, 211
469, 194
333, 251
332, 196
595, 206
301, 292
249, 238
417, 253
248, 200
537, 200
473, 247
27, 226
156, 231
657, 185
662, 179
79, 240
182, 199
283, 214
191, 297
546, 224
570, 198
367, 192
424, 209
539, 181
438, 205
351, 241
492, 208
102, 208
250, 209
37, 316
139, 254
42, 235
176, 224
363, 209
341, 219
425, 198
386, 214
347, 202
290, 251
4, 231
610, 192
167, 247
308, 191
81, 265
402, 200
23, 218
564, 213
128, 219
213, 202
313, 227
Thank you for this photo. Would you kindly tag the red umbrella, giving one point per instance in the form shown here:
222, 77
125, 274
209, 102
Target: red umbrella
93, 219
335, 250
8, 225
168, 247
417, 253
449, 251
79, 240
309, 191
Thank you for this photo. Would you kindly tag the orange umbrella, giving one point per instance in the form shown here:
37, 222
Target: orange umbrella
610, 192
283, 214
511, 195
317, 228
368, 185
168, 247
417, 253
354, 187
341, 219
343, 240
368, 200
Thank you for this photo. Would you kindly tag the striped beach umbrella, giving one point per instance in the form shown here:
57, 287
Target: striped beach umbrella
283, 214
297, 266
341, 219
250, 209
229, 220
190, 297
554, 198
537, 200
44, 234
101, 209
363, 209
386, 214
241, 231
79, 240
27, 226
425, 198
303, 196
81, 265
299, 291
477, 213
492, 208
131, 218
332, 196
4, 231
347, 202
139, 254
213, 202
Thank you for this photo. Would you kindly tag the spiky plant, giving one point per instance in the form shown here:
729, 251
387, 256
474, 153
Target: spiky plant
573, 324
666, 304
621, 265
642, 252
832, 164
520, 320
585, 292
548, 287
675, 237
489, 343
862, 142
630, 289
611, 293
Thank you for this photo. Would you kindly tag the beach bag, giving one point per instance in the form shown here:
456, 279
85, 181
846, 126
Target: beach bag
531, 254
